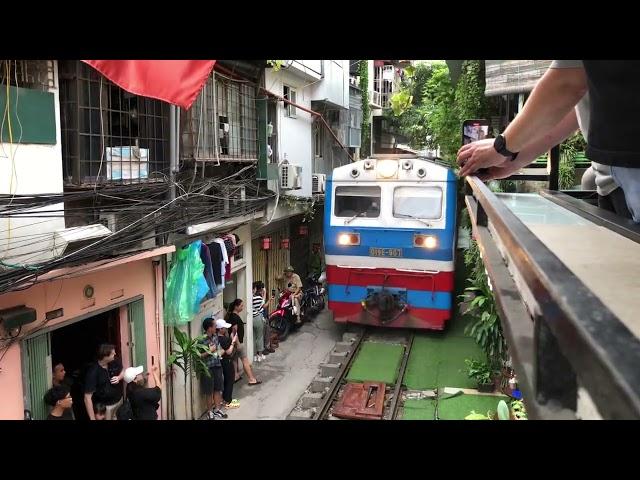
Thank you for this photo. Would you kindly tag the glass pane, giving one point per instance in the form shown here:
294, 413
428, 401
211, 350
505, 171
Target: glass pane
360, 201
419, 202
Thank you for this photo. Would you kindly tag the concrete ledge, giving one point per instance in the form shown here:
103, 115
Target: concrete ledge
338, 357
311, 400
300, 415
319, 384
343, 346
329, 369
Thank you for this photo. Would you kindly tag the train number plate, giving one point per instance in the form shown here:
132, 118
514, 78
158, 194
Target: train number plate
385, 252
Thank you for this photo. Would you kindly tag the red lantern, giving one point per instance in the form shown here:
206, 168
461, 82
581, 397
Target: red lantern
303, 230
284, 243
266, 243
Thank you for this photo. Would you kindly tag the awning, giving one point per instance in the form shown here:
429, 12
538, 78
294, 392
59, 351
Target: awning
513, 76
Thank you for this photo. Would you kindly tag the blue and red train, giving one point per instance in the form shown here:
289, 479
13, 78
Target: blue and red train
389, 236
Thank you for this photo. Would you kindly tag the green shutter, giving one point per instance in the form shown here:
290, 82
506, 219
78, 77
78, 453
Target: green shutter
32, 113
38, 363
138, 338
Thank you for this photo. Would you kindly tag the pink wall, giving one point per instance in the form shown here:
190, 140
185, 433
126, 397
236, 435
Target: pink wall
135, 278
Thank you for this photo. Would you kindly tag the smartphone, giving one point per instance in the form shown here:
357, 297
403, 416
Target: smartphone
474, 130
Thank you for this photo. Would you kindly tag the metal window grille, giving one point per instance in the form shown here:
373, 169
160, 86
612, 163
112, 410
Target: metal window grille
110, 135
35, 74
239, 253
222, 124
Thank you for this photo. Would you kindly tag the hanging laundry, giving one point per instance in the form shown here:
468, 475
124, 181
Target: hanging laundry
225, 258
217, 263
230, 245
205, 256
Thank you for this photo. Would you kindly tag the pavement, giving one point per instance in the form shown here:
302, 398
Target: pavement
288, 372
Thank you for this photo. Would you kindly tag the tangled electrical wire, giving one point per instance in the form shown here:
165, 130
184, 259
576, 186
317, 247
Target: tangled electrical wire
142, 212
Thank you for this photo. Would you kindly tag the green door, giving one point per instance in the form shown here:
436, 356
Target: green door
38, 369
138, 341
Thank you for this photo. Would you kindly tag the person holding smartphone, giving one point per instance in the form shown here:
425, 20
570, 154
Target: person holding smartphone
227, 343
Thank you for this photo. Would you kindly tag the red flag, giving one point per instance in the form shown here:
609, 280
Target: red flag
173, 81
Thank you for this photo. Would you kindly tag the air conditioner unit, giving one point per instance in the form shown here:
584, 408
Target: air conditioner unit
290, 176
318, 181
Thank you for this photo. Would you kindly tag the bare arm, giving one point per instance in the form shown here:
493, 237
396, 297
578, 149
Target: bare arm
88, 403
555, 95
154, 372
560, 132
551, 101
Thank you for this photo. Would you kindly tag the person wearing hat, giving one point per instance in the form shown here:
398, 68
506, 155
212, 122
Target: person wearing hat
294, 285
228, 372
212, 385
144, 400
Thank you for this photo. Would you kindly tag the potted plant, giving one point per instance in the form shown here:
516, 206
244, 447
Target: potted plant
482, 373
186, 354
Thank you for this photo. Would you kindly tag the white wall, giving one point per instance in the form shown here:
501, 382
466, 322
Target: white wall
309, 68
334, 87
38, 169
294, 134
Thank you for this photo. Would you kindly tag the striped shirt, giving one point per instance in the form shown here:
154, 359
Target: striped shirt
258, 303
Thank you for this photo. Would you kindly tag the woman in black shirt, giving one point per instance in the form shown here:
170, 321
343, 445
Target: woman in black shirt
237, 326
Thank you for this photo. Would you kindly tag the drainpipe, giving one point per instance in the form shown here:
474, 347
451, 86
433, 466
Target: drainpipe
314, 113
159, 292
174, 127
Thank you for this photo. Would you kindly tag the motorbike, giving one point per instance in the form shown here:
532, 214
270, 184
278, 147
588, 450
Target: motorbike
313, 300
283, 319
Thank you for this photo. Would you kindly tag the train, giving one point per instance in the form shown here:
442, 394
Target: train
389, 240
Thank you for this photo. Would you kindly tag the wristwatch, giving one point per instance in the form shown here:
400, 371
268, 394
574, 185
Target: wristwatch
500, 145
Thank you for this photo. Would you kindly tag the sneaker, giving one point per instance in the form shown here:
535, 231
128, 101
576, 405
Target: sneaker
262, 357
210, 415
255, 359
219, 414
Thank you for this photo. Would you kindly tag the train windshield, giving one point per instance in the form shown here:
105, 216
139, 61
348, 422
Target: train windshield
361, 201
417, 202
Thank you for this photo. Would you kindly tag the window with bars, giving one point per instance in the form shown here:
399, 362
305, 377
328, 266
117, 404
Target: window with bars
289, 93
110, 135
34, 74
222, 124
272, 140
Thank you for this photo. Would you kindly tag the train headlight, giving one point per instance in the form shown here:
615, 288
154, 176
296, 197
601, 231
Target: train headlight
349, 239
425, 241
387, 168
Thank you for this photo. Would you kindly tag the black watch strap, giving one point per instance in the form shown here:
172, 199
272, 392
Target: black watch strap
500, 145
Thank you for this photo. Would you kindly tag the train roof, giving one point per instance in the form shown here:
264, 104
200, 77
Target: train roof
409, 168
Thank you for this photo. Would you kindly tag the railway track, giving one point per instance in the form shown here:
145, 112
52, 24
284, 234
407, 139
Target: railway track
326, 390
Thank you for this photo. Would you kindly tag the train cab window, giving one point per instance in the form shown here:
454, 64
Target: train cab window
417, 202
361, 201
